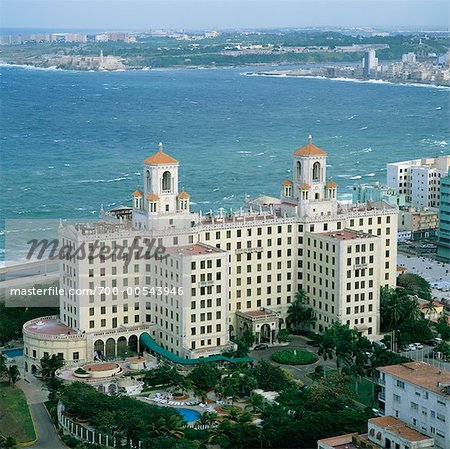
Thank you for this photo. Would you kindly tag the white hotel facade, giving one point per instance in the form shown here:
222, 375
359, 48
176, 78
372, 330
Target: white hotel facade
236, 271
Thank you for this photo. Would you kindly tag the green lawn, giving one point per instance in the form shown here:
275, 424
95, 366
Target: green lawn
364, 393
15, 418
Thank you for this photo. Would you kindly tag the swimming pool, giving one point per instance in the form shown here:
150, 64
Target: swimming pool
11, 353
188, 414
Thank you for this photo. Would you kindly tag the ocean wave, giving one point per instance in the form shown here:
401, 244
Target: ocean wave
95, 181
356, 177
370, 174
32, 67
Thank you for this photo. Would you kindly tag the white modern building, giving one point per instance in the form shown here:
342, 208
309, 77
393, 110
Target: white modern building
418, 394
418, 179
204, 278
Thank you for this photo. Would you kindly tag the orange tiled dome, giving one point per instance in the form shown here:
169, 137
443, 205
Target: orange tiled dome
136, 193
309, 150
304, 187
153, 197
287, 183
160, 158
184, 196
330, 183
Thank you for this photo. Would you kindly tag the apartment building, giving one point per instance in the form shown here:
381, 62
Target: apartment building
418, 179
385, 432
418, 394
263, 262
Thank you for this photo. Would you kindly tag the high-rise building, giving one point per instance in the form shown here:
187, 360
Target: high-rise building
370, 63
409, 58
219, 274
443, 250
418, 179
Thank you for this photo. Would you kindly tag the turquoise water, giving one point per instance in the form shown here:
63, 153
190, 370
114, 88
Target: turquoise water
72, 141
188, 414
13, 352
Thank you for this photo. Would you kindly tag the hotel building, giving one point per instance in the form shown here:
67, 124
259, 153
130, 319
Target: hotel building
222, 273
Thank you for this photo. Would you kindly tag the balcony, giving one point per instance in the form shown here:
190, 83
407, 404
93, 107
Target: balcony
382, 396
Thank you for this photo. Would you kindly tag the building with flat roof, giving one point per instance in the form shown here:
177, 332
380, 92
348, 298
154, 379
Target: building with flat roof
418, 179
193, 281
385, 432
362, 193
418, 394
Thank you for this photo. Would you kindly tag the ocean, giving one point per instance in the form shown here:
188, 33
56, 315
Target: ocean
72, 141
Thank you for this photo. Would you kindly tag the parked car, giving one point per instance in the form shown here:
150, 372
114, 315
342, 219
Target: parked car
418, 345
313, 343
437, 340
405, 348
430, 343
412, 346
260, 347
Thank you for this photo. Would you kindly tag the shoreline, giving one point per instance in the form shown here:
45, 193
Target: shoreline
347, 79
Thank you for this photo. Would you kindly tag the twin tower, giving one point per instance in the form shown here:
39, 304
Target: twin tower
307, 194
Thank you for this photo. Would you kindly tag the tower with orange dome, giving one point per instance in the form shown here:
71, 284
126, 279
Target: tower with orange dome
160, 201
309, 193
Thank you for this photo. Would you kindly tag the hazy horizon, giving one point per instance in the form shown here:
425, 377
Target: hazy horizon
223, 14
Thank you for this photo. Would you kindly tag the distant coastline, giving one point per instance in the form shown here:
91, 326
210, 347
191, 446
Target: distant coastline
272, 74
298, 74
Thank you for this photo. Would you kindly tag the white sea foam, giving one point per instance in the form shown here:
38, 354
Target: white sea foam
356, 177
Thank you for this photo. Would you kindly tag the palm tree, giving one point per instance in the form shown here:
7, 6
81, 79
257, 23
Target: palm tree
13, 374
326, 346
295, 314
49, 365
174, 427
301, 297
299, 315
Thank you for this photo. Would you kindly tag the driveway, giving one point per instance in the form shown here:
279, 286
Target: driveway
36, 395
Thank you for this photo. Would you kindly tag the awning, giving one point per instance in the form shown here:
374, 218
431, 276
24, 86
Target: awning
151, 344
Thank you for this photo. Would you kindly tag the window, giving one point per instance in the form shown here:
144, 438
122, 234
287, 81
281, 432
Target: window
316, 171
166, 182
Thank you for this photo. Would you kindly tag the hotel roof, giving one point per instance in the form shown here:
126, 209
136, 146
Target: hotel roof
420, 374
197, 249
398, 427
346, 234
52, 327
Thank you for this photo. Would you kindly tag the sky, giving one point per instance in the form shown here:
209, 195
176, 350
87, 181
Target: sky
222, 14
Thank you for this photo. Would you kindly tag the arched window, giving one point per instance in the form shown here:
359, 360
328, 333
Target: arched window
316, 171
299, 170
149, 182
167, 182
